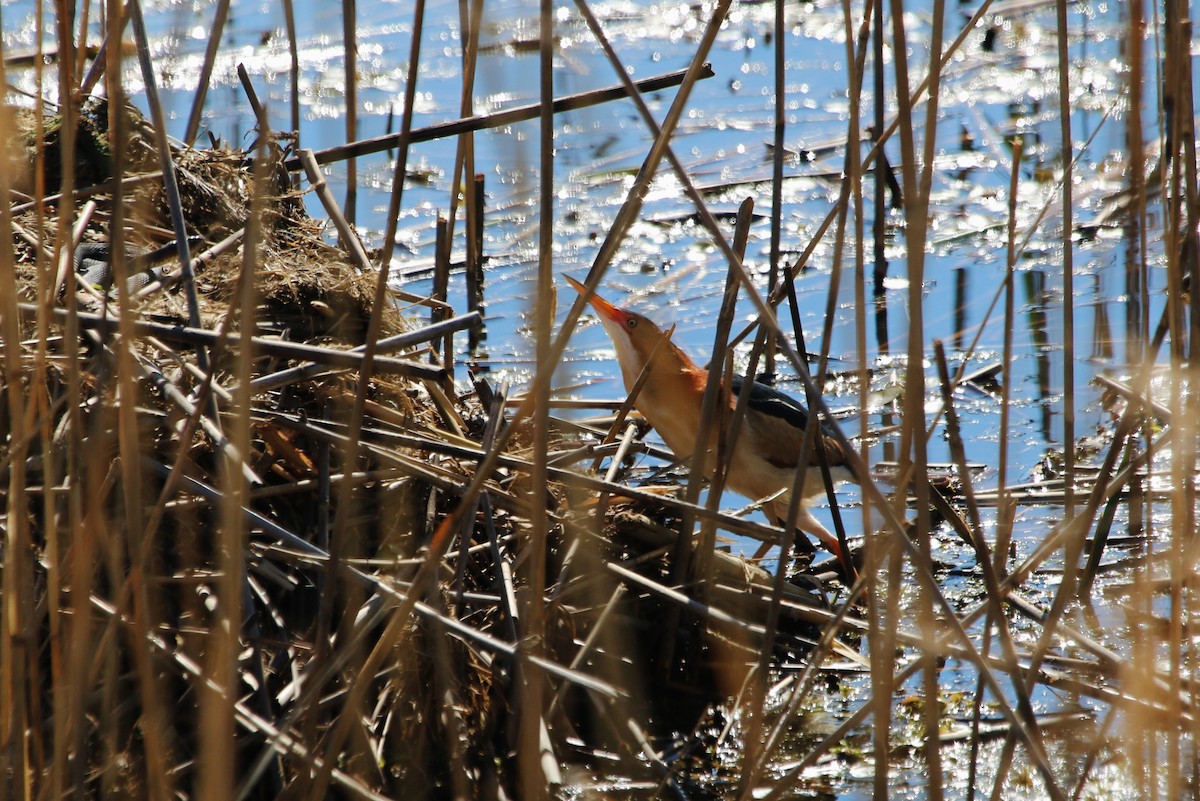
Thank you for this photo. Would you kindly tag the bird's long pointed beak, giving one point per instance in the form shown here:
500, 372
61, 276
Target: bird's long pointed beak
606, 309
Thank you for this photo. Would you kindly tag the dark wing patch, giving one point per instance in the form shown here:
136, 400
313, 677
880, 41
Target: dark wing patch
778, 429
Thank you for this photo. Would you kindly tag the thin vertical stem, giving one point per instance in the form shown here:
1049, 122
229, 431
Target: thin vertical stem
470, 19
475, 260
220, 695
350, 57
289, 24
1068, 407
780, 129
880, 208
398, 173
16, 582
1004, 506
917, 181
532, 778
156, 739
710, 421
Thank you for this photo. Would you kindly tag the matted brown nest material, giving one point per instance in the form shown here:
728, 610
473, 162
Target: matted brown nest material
306, 287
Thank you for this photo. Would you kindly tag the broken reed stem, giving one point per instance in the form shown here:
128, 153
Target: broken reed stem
441, 291
202, 337
475, 261
390, 344
256, 106
499, 119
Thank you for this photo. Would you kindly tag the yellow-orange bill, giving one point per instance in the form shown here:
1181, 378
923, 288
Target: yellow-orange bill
598, 303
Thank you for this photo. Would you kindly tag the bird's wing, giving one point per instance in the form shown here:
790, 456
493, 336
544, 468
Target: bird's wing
776, 427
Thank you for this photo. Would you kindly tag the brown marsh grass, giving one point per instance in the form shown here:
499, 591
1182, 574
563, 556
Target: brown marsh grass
262, 539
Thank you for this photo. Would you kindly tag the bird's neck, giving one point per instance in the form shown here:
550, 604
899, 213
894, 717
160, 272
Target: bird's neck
671, 368
670, 399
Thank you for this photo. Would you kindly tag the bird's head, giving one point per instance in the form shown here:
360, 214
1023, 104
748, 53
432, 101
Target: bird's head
634, 336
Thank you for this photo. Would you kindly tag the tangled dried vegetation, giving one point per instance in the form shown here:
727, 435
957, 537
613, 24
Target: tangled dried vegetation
186, 600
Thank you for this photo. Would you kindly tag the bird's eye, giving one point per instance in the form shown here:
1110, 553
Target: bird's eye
631, 322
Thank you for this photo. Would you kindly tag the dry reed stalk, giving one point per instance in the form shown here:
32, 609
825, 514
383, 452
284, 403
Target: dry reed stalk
127, 182
17, 661
916, 179
220, 16
403, 139
441, 290
475, 260
471, 22
1007, 510
350, 87
535, 767
53, 537
355, 359
710, 419
390, 344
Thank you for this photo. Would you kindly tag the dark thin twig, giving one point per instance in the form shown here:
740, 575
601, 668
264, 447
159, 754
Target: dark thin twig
289, 24
289, 350
499, 119
390, 344
170, 180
